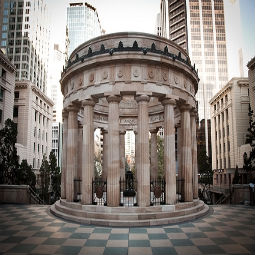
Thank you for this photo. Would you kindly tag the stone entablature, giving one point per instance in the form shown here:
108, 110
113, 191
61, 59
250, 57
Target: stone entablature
136, 82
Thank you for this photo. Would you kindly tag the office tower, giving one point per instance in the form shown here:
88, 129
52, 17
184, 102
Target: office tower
199, 27
251, 75
25, 38
7, 84
178, 22
82, 24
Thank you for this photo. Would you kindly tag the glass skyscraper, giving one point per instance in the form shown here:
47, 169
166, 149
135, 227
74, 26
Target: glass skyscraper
25, 38
82, 24
199, 27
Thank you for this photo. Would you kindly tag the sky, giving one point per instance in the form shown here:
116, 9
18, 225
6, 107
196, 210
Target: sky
140, 16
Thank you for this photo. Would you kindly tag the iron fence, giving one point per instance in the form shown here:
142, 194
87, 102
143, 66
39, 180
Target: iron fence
179, 190
128, 188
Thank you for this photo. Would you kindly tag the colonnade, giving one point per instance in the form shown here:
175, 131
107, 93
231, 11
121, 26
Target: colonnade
113, 161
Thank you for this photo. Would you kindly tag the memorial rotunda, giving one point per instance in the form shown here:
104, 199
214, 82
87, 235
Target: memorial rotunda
117, 83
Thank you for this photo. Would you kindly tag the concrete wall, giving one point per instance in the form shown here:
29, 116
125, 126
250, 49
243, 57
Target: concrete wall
17, 194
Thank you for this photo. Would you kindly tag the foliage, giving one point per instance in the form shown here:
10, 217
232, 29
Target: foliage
127, 166
98, 164
236, 176
9, 161
45, 179
55, 178
249, 161
160, 151
25, 175
204, 166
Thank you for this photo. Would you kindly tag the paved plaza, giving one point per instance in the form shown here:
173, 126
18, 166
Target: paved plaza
28, 229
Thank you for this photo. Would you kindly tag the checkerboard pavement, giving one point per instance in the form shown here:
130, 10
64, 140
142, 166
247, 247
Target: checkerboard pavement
30, 229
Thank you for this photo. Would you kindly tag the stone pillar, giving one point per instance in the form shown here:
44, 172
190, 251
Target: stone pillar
64, 154
169, 151
122, 154
88, 152
72, 143
186, 153
105, 155
179, 146
113, 171
194, 154
154, 154
143, 167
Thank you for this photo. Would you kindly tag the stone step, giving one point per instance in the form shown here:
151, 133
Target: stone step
125, 219
127, 215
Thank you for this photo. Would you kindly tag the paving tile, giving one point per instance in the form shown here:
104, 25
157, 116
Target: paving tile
22, 248
181, 242
211, 249
91, 251
138, 230
120, 231
79, 236
117, 243
177, 236
74, 242
99, 236
34, 240
196, 235
116, 251
234, 248
69, 250
96, 243
139, 251
138, 243
161, 243
54, 241
163, 251
173, 230
157, 236
45, 249
155, 231
102, 230
118, 237
190, 250
138, 237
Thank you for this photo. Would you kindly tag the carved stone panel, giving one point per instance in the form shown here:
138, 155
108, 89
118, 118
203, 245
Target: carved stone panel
156, 118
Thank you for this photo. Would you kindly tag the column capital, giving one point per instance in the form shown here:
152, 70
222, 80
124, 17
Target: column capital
88, 102
64, 113
113, 98
167, 101
73, 108
185, 107
193, 112
153, 131
142, 98
104, 131
122, 132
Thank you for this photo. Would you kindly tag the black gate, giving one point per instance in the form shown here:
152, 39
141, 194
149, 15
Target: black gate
158, 191
99, 191
77, 190
179, 190
128, 190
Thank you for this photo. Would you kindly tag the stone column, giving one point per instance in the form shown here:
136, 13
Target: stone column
105, 155
88, 152
72, 143
143, 167
122, 154
64, 155
169, 150
113, 171
194, 154
186, 153
154, 154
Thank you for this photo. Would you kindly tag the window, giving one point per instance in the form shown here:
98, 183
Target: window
1, 94
35, 115
16, 94
15, 111
1, 113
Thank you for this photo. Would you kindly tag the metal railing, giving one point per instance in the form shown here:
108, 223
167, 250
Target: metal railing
158, 191
99, 191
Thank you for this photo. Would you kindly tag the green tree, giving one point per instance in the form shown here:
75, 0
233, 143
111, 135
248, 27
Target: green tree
97, 164
127, 166
249, 161
204, 166
9, 161
55, 177
25, 175
160, 150
45, 179
236, 176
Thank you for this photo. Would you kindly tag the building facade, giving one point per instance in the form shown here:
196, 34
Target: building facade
7, 84
199, 27
251, 75
229, 124
82, 24
57, 136
33, 115
25, 39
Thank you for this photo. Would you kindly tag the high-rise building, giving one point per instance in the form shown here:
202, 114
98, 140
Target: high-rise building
199, 27
7, 84
82, 23
24, 37
161, 23
251, 75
